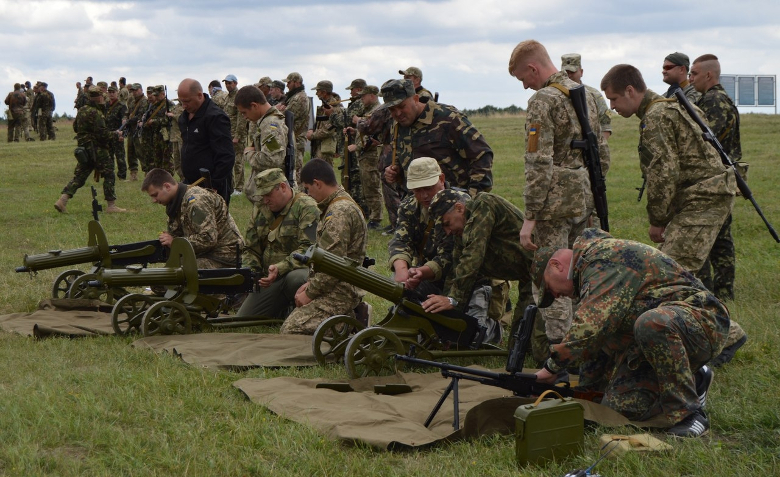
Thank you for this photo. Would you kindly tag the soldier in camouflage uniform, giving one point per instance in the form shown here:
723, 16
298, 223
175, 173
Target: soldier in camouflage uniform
159, 126
571, 64
82, 98
341, 230
276, 231
644, 347
146, 134
238, 129
415, 75
123, 92
325, 138
345, 123
430, 129
45, 102
486, 228
276, 93
382, 126
198, 215
135, 111
270, 141
93, 136
675, 73
218, 96
15, 102
298, 103
174, 114
29, 93
558, 199
116, 112
367, 150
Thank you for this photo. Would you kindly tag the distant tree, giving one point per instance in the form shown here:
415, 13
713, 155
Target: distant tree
491, 110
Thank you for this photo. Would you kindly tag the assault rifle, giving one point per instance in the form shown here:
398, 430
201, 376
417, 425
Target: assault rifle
590, 152
709, 136
96, 207
350, 167
289, 152
521, 384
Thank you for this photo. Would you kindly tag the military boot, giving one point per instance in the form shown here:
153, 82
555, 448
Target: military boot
62, 202
113, 209
133, 176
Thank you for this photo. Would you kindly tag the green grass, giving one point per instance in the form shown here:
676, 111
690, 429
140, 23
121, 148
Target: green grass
99, 407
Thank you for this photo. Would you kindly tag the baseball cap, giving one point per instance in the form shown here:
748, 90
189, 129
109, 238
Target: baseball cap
395, 91
422, 172
267, 180
571, 62
443, 201
357, 83
134, 86
265, 81
369, 89
324, 85
277, 84
231, 78
411, 71
294, 76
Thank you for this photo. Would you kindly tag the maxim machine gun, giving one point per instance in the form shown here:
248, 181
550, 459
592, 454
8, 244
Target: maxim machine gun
99, 253
371, 351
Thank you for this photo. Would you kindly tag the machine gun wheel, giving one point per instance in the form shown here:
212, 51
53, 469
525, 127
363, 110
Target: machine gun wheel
166, 318
63, 282
128, 313
332, 336
80, 289
371, 352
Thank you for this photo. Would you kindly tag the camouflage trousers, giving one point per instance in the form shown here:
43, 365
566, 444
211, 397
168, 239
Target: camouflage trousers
300, 150
14, 127
160, 154
305, 319
116, 152
655, 375
719, 269
371, 183
238, 167
176, 158
45, 126
101, 163
556, 319
132, 152
146, 156
275, 301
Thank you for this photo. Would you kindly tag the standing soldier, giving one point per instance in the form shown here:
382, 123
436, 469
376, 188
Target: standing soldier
276, 93
324, 132
15, 101
414, 74
115, 118
29, 93
46, 104
174, 114
237, 131
138, 105
123, 93
298, 103
368, 156
571, 63
159, 125
92, 137
145, 134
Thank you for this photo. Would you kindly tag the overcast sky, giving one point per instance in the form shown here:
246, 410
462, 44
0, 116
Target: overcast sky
462, 46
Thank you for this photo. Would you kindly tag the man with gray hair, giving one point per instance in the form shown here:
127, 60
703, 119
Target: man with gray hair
571, 63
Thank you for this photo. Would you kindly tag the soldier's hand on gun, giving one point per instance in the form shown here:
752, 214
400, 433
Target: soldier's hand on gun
544, 376
165, 239
309, 134
415, 277
273, 273
391, 173
437, 304
352, 148
656, 233
349, 130
526, 235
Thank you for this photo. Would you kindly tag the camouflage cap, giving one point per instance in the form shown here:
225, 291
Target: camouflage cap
571, 62
541, 258
268, 179
324, 85
443, 201
134, 86
277, 84
357, 83
412, 71
102, 84
369, 89
395, 91
294, 76
150, 90
95, 91
679, 59
422, 172
265, 81
112, 89
159, 89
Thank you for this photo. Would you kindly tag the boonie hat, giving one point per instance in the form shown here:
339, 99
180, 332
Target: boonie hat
422, 172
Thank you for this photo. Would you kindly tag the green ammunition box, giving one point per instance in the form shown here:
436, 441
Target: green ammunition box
546, 430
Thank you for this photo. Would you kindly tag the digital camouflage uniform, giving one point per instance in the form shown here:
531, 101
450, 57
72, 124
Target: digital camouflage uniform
115, 114
382, 125
689, 190
203, 219
135, 112
220, 98
93, 135
341, 230
444, 133
27, 121
326, 138
177, 110
270, 143
298, 103
238, 129
644, 325
339, 122
723, 118
271, 239
147, 136
601, 108
370, 178
159, 126
124, 96
46, 106
557, 192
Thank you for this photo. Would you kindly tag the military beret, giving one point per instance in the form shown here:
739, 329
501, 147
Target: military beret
541, 258
395, 91
268, 179
112, 88
571, 62
293, 77
443, 201
370, 89
422, 172
231, 78
134, 86
277, 84
679, 59
265, 81
159, 89
411, 71
102, 84
357, 83
324, 85
95, 91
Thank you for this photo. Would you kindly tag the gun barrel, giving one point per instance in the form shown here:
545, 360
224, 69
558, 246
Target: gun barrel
60, 258
142, 277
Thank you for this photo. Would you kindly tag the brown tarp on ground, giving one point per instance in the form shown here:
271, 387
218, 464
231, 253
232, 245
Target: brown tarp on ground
72, 318
396, 422
235, 350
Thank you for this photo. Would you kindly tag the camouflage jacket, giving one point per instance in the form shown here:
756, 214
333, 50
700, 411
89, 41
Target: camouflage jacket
16, 101
723, 118
298, 103
157, 120
366, 148
124, 96
616, 281
270, 143
115, 114
423, 92
556, 179
343, 120
176, 109
419, 241
680, 167
380, 124
46, 101
341, 230
203, 219
237, 122
688, 89
489, 247
601, 106
82, 99
271, 239
326, 133
90, 127
220, 98
136, 112
30, 95
443, 132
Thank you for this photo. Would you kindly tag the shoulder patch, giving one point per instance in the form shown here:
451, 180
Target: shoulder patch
533, 137
191, 199
328, 216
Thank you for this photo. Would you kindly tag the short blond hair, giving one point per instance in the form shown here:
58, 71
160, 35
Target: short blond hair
528, 50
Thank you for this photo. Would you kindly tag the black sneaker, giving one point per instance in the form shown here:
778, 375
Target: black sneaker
695, 425
374, 225
728, 353
703, 380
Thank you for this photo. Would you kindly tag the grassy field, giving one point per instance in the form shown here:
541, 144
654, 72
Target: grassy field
99, 407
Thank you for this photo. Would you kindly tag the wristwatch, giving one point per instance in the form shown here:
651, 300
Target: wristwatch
453, 302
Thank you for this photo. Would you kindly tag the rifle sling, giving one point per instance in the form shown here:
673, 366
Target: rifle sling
424, 241
278, 220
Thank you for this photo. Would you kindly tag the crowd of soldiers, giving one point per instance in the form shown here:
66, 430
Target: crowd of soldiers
30, 107
646, 331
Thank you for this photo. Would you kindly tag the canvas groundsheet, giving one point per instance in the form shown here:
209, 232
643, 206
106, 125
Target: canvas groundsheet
235, 350
62, 317
395, 422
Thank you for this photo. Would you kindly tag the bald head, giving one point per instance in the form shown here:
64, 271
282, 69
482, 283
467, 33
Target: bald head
705, 72
191, 95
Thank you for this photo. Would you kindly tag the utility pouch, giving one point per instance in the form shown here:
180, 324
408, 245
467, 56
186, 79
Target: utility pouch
82, 155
